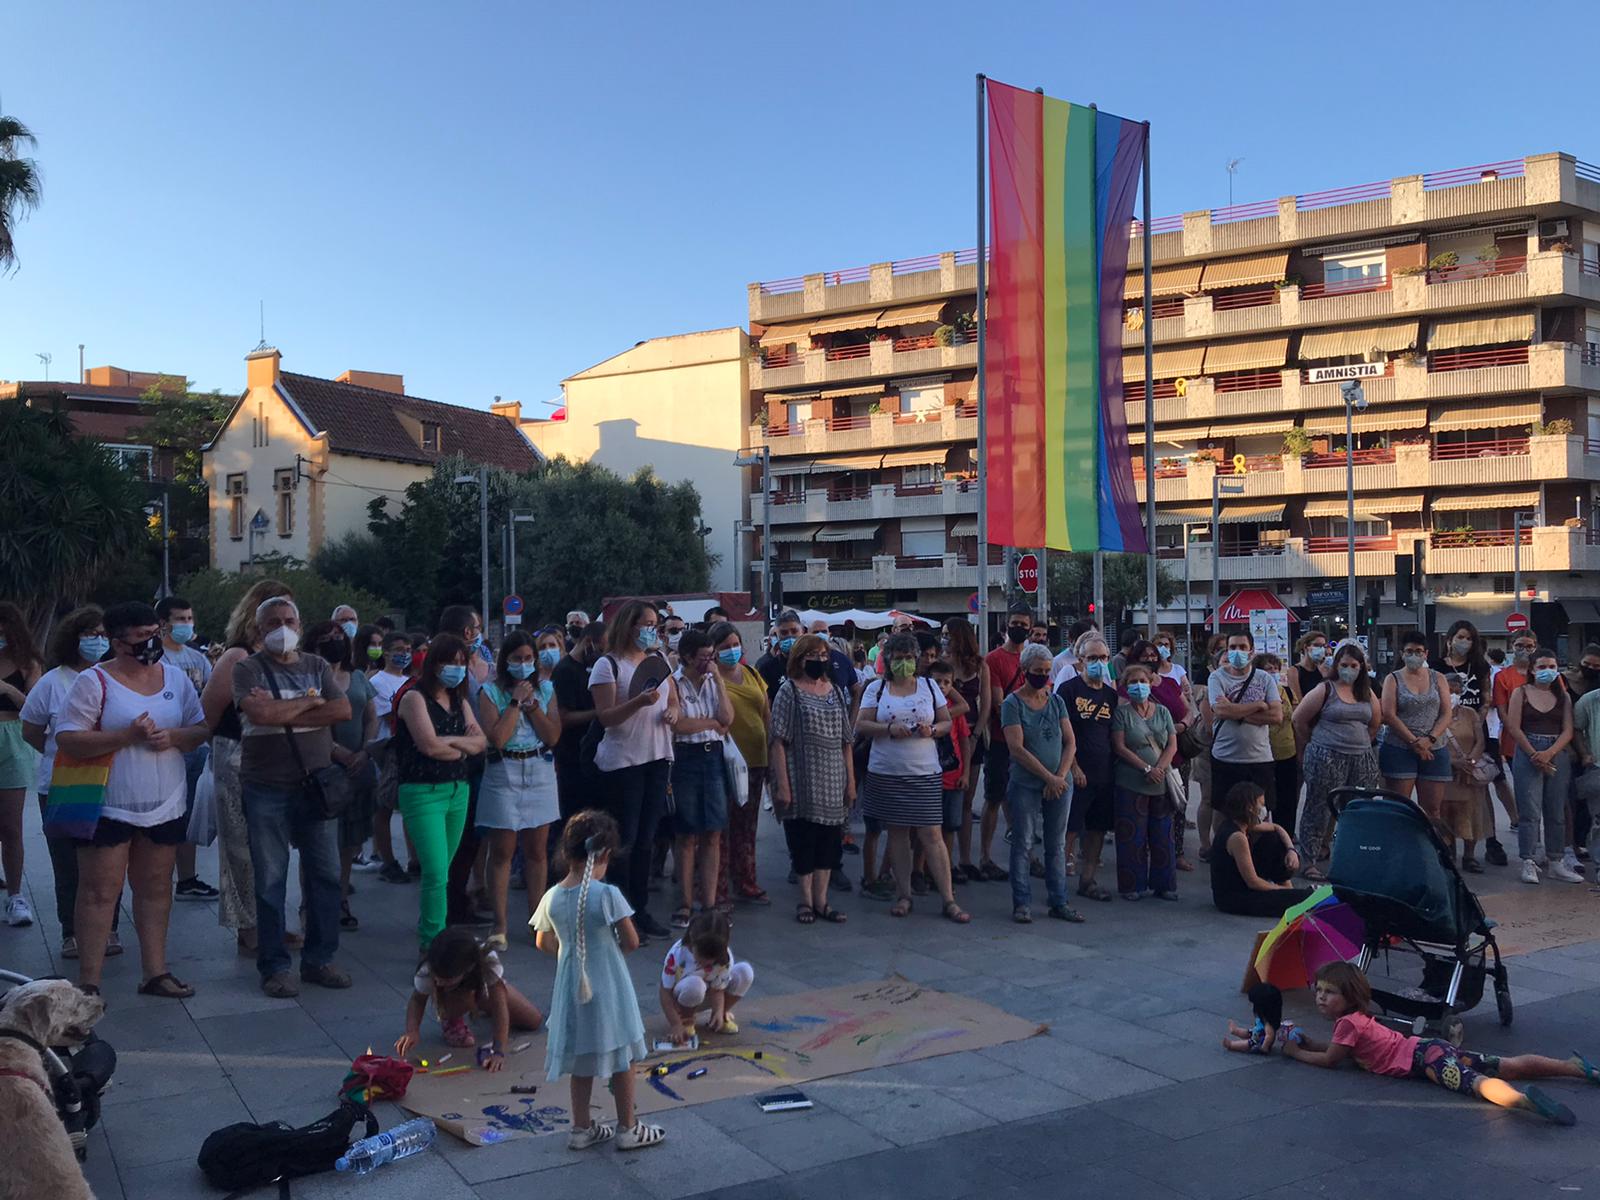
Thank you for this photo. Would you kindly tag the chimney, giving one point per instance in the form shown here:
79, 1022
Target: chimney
261, 366
511, 410
380, 381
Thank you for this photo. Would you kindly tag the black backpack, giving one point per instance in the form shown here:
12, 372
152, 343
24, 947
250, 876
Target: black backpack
237, 1158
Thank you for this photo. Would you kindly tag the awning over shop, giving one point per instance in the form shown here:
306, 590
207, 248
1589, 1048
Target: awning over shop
1179, 279
1237, 272
846, 322
1457, 417
795, 533
911, 314
785, 332
848, 531
1464, 501
1257, 354
1177, 362
1413, 416
1356, 341
1236, 609
966, 527
1481, 331
1581, 610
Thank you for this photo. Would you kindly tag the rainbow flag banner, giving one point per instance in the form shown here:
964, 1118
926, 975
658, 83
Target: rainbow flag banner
1062, 180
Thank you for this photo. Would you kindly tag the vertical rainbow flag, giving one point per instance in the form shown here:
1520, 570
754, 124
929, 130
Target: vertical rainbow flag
1062, 180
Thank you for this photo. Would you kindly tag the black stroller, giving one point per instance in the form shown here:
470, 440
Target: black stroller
76, 1078
1391, 866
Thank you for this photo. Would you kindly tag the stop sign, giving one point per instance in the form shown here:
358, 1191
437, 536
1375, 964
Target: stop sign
1028, 573
1517, 623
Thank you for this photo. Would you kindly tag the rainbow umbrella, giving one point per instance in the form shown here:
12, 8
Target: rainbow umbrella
1319, 930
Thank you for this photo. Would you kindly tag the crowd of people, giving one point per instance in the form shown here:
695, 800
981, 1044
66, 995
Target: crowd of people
671, 739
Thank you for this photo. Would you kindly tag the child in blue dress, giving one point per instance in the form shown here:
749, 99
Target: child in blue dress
595, 1027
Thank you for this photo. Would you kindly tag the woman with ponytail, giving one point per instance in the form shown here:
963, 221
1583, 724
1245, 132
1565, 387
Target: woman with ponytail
595, 1026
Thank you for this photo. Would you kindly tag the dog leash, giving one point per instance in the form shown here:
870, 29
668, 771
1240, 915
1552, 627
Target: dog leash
18, 1035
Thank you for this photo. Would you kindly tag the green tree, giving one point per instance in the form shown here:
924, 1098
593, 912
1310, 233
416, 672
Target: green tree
214, 593
20, 187
68, 512
179, 424
1072, 583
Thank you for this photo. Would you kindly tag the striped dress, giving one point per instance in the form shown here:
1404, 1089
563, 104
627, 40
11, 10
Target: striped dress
904, 785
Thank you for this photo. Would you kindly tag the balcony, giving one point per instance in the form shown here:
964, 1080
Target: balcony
867, 360
874, 431
878, 502
889, 572
1488, 282
1293, 558
933, 275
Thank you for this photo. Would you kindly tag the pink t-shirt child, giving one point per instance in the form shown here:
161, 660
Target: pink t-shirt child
1377, 1048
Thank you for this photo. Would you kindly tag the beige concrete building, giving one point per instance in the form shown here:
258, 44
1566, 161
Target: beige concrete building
1466, 303
299, 458
674, 404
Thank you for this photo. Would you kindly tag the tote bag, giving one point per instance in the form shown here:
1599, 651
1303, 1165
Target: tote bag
78, 787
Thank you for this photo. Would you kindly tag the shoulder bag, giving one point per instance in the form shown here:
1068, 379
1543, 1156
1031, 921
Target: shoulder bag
78, 787
596, 732
945, 744
325, 792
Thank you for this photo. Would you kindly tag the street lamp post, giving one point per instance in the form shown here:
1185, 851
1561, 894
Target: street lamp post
1234, 487
1354, 397
1188, 625
513, 516
482, 480
763, 458
1518, 520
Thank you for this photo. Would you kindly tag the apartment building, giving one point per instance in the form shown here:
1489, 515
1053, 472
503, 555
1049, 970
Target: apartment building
108, 406
1465, 302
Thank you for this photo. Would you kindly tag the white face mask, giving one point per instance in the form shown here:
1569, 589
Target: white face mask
281, 640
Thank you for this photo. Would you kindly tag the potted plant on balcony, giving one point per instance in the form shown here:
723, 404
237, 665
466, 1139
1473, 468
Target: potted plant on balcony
1560, 427
1296, 443
1442, 264
1418, 269
944, 335
1210, 454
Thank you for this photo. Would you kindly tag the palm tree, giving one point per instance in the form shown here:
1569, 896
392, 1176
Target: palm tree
19, 183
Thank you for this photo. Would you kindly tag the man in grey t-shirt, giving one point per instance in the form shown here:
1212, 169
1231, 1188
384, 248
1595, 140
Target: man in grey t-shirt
1245, 703
285, 696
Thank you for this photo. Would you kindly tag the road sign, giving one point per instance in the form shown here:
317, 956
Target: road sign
511, 606
1352, 393
1028, 573
259, 522
972, 602
1517, 623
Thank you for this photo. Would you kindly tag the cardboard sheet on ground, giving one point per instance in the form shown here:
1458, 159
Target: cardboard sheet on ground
805, 1036
1542, 918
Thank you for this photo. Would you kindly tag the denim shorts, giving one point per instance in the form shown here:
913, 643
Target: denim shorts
1401, 762
699, 788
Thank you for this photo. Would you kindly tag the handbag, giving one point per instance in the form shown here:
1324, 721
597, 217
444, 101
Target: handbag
595, 734
325, 792
203, 817
945, 744
738, 772
78, 787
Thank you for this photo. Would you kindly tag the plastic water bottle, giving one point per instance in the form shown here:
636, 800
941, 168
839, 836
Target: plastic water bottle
367, 1155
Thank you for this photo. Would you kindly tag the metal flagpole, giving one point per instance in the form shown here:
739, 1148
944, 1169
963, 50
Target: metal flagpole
1100, 589
1149, 411
983, 393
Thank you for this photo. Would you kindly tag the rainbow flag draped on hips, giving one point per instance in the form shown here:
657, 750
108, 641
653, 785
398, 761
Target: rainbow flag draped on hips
1062, 180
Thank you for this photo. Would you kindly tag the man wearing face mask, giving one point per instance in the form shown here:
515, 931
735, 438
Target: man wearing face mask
1005, 677
1311, 667
346, 619
773, 667
1246, 703
577, 619
286, 696
177, 631
467, 867
672, 628
840, 670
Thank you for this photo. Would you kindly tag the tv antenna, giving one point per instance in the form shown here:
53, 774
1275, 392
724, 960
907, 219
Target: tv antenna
46, 359
1232, 167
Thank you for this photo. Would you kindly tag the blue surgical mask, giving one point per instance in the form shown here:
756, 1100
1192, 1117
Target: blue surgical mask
1138, 692
452, 675
183, 634
1349, 674
349, 628
1165, 651
476, 642
1318, 653
645, 639
786, 644
1546, 676
730, 657
1414, 661
1094, 669
93, 649
400, 661
521, 670
1238, 658
549, 657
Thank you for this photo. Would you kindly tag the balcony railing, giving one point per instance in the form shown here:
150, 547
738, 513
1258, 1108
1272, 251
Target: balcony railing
925, 342
1170, 471
1252, 547
1443, 451
1484, 173
1467, 360
1247, 381
845, 353
776, 430
1377, 454
1345, 287
910, 562
1590, 355
1329, 545
1165, 389
997, 557
1456, 539
840, 424
787, 357
1251, 299
1504, 265
967, 411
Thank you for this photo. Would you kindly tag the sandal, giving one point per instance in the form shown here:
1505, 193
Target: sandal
990, 872
901, 907
1184, 864
347, 919
680, 918
954, 912
640, 1137
1021, 915
1090, 890
1472, 866
1314, 875
754, 896
805, 914
833, 916
167, 986
496, 942
1066, 913
592, 1135
1204, 856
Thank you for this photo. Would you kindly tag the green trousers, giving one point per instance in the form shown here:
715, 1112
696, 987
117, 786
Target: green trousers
434, 815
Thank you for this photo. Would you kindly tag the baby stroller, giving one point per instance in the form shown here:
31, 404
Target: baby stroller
1391, 866
76, 1078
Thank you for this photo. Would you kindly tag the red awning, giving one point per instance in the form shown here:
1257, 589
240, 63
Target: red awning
1236, 609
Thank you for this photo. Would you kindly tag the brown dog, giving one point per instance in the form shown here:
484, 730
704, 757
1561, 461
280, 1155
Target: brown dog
40, 1162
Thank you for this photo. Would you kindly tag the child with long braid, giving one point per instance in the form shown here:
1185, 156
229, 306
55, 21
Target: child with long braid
595, 1027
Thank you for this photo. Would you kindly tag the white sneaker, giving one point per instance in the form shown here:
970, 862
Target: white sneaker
17, 911
367, 863
1569, 859
1560, 870
1530, 873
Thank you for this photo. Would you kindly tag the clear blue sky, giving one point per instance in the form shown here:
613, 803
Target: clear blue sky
487, 197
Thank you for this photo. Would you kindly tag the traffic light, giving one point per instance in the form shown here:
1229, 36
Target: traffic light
1404, 569
1092, 614
1369, 608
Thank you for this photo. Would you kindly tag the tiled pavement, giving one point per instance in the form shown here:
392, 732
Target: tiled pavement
1129, 1095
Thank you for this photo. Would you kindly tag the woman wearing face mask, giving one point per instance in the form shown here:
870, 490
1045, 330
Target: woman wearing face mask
634, 758
1466, 799
1335, 722
1311, 665
972, 682
79, 641
1539, 726
751, 720
1464, 655
1091, 703
366, 654
1168, 692
1416, 712
1171, 668
394, 674
236, 908
518, 801
1285, 743
1145, 741
327, 640
1043, 751
20, 668
903, 714
146, 714
436, 737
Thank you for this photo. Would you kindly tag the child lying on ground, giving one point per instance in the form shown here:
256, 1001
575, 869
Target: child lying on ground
1266, 1002
1344, 997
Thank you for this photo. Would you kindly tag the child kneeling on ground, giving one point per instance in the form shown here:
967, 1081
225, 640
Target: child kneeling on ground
698, 973
464, 979
1345, 997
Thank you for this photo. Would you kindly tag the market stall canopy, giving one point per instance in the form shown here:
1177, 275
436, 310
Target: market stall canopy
1236, 609
860, 617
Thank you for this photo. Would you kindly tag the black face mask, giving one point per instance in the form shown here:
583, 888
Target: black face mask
1590, 673
332, 651
1017, 634
575, 631
815, 669
148, 651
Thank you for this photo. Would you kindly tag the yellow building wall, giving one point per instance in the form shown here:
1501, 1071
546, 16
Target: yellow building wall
674, 404
350, 482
